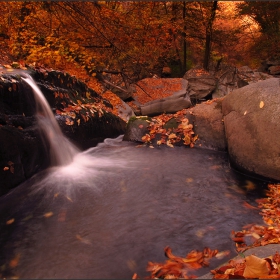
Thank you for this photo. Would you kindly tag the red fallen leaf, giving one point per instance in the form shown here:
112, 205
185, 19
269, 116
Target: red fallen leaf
135, 276
238, 239
14, 262
69, 122
141, 125
249, 206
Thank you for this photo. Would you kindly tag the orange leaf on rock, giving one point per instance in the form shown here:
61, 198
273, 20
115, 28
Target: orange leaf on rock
255, 267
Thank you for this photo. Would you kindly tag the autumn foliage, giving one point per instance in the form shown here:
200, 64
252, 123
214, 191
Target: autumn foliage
132, 39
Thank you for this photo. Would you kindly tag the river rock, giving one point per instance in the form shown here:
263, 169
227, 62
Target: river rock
200, 83
274, 70
251, 117
171, 104
22, 154
207, 120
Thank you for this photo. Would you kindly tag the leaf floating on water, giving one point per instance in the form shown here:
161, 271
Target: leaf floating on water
48, 214
9, 222
14, 262
135, 276
189, 180
62, 215
249, 206
215, 167
250, 185
222, 254
69, 198
261, 104
83, 240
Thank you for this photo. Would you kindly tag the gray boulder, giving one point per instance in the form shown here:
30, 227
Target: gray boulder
200, 83
251, 117
171, 104
274, 70
207, 120
228, 80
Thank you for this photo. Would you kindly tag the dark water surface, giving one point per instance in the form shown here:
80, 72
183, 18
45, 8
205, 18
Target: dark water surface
118, 207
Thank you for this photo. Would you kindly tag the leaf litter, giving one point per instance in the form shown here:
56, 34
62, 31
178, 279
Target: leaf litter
247, 267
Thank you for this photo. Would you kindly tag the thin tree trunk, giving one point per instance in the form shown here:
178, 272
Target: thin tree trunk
209, 36
185, 42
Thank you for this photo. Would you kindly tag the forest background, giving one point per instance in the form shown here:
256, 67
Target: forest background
121, 42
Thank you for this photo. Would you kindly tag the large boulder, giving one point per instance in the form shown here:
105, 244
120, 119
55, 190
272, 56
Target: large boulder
251, 117
206, 120
200, 83
171, 104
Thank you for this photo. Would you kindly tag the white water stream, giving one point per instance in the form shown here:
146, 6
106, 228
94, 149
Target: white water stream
62, 151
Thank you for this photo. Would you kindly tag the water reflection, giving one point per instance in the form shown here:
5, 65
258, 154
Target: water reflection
117, 207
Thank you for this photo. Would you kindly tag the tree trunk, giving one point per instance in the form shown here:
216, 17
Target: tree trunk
185, 42
209, 36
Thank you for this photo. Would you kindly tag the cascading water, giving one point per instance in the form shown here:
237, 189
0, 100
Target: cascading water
62, 150
106, 212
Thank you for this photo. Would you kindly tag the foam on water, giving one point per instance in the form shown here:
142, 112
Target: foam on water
87, 169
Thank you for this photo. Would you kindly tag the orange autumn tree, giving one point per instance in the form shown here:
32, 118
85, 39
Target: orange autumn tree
119, 42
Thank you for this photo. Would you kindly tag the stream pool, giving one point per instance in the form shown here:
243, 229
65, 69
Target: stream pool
117, 206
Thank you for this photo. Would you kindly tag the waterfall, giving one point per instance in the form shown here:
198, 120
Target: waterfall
62, 151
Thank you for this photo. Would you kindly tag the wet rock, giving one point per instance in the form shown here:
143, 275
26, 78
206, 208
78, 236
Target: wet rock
84, 116
251, 116
22, 154
137, 127
207, 119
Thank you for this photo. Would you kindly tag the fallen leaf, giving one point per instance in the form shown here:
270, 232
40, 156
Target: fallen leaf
222, 254
10, 221
48, 214
83, 240
249, 206
261, 104
189, 180
69, 122
255, 267
14, 262
250, 185
69, 198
